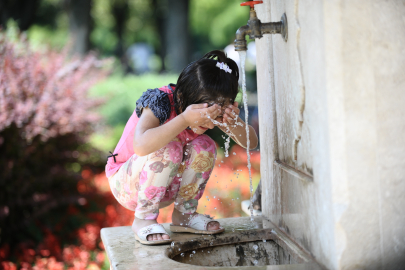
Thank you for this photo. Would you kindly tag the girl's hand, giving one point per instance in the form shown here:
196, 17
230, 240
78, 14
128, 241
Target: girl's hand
200, 114
231, 114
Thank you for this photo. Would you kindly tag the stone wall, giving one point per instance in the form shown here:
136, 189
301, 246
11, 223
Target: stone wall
332, 116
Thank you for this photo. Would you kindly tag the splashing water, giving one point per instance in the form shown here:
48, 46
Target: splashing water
242, 57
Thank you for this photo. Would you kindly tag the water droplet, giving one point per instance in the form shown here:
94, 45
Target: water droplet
234, 153
191, 255
193, 250
214, 197
208, 252
186, 153
182, 254
264, 240
219, 165
215, 208
255, 247
179, 249
255, 262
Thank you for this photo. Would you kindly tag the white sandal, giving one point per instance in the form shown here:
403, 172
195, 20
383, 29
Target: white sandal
197, 224
143, 233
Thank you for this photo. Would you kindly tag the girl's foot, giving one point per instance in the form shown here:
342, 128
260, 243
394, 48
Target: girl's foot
140, 223
179, 219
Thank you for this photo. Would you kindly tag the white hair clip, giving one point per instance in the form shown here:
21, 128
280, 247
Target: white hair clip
224, 67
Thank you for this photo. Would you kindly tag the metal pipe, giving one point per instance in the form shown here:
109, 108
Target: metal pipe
256, 29
271, 28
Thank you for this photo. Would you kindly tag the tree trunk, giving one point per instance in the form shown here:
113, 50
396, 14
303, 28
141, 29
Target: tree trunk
160, 15
177, 35
80, 24
120, 12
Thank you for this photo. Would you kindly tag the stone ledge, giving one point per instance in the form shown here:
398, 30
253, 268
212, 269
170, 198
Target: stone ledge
124, 252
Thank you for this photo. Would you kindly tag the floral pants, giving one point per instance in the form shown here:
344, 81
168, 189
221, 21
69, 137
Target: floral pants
175, 173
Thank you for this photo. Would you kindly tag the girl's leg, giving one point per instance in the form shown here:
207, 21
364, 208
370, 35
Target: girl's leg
157, 174
141, 183
195, 170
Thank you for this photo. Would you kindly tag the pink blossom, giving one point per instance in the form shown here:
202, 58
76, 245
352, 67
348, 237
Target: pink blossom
45, 94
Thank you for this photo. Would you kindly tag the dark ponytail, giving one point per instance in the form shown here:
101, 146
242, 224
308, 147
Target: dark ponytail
221, 57
203, 82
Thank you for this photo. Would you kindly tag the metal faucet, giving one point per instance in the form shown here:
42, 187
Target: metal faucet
256, 29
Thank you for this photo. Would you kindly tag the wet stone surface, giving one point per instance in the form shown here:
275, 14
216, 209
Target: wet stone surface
257, 253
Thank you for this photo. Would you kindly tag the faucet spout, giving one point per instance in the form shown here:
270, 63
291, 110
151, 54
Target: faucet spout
256, 29
240, 40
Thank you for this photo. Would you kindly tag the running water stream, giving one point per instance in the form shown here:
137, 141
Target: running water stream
242, 57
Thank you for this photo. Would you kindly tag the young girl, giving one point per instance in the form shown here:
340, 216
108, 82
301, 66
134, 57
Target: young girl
163, 155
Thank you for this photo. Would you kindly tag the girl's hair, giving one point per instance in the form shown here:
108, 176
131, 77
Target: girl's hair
203, 82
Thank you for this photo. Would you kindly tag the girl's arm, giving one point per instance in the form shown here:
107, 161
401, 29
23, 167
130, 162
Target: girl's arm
150, 137
238, 127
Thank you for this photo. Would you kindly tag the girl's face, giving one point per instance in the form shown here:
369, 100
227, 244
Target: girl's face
202, 129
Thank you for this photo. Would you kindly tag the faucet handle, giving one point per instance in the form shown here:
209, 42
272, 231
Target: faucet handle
251, 4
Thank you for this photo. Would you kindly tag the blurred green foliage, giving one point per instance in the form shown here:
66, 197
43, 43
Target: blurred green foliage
214, 23
121, 94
